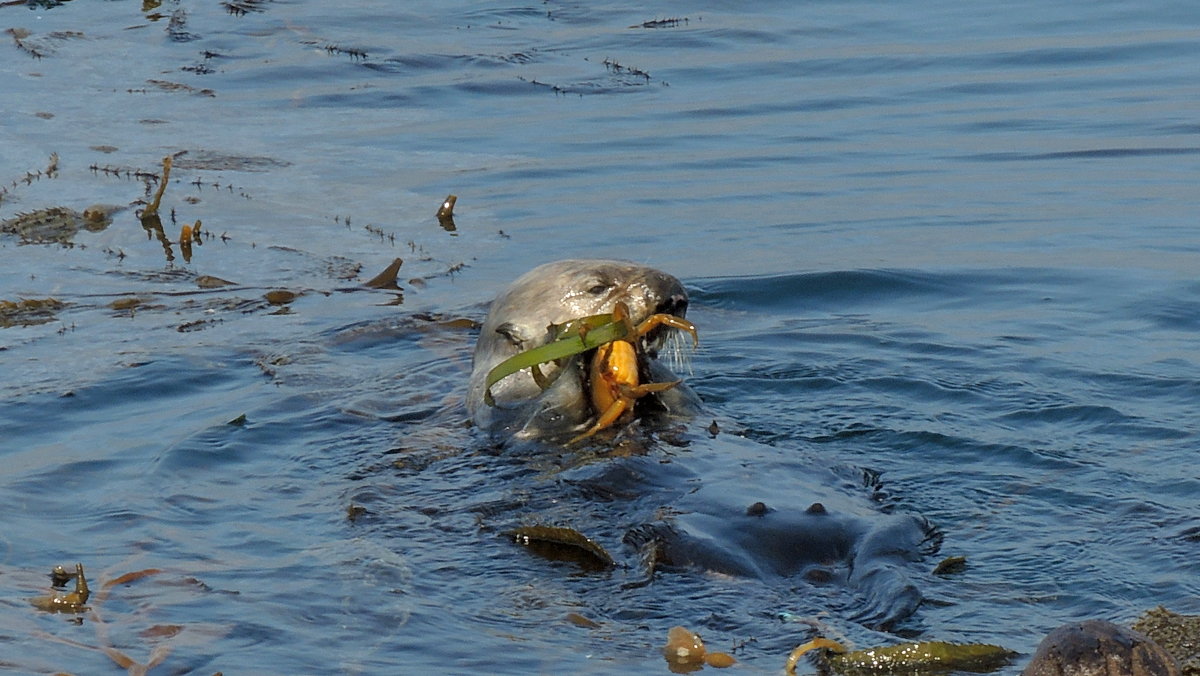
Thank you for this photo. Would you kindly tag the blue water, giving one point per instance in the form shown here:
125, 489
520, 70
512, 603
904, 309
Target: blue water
948, 245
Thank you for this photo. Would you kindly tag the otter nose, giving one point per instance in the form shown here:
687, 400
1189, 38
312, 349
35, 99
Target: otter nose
675, 304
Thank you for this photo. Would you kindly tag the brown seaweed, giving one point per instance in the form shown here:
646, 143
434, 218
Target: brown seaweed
445, 213
951, 565
151, 209
387, 278
924, 657
28, 311
72, 602
563, 544
685, 652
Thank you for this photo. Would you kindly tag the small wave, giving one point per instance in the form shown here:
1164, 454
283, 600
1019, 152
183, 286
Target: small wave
1091, 153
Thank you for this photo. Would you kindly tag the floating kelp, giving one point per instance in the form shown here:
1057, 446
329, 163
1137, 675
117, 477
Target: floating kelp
951, 565
244, 7
210, 282
58, 225
126, 303
685, 651
353, 512
662, 23
445, 213
907, 658
207, 160
28, 311
563, 544
157, 638
815, 644
188, 233
73, 602
42, 46
129, 578
151, 209
581, 621
280, 296
387, 278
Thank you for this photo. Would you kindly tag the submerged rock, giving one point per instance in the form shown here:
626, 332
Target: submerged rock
1099, 648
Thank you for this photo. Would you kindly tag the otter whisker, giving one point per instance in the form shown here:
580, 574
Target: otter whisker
677, 351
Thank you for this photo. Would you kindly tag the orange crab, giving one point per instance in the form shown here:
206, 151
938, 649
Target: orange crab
613, 374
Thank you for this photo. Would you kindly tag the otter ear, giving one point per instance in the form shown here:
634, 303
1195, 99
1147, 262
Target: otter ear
512, 332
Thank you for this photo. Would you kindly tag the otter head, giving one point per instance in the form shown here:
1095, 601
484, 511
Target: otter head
521, 318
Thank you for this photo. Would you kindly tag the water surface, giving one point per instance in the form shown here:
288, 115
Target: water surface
950, 247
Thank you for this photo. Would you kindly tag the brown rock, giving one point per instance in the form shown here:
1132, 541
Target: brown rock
1098, 648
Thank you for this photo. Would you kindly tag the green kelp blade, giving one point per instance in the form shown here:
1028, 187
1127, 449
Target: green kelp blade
568, 345
579, 325
921, 658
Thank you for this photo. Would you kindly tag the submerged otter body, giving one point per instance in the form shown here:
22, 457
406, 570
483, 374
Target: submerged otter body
689, 507
521, 319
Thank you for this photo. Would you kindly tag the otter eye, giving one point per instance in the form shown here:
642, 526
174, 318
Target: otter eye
598, 288
511, 332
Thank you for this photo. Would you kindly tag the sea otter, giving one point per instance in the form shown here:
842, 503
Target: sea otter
723, 517
521, 318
